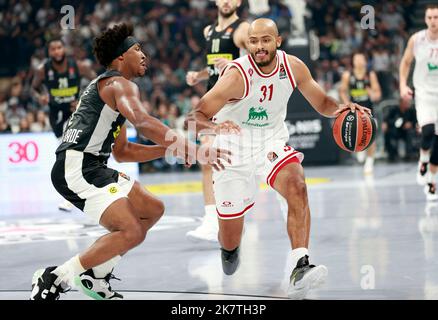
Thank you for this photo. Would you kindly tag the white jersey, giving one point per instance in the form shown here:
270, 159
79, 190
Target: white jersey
261, 111
426, 64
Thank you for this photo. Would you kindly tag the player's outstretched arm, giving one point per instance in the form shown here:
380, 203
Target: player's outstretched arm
125, 151
316, 96
229, 86
123, 95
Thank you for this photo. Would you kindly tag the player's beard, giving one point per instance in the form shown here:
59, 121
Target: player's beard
267, 62
227, 14
59, 61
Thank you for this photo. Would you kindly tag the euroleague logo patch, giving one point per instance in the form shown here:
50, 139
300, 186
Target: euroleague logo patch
272, 156
350, 118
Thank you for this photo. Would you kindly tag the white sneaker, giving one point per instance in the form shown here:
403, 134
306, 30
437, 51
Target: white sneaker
431, 192
305, 277
422, 173
65, 206
203, 233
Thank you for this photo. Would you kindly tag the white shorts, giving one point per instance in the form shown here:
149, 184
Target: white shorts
426, 106
88, 183
235, 187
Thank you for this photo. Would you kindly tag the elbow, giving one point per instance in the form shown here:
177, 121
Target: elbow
120, 154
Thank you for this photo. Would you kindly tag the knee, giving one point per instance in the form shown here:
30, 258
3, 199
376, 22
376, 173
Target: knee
427, 136
296, 188
134, 234
158, 209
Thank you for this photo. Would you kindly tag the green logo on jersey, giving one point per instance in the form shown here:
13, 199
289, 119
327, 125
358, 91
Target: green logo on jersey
259, 114
432, 67
256, 114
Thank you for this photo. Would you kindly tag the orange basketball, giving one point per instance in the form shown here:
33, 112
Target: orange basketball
354, 131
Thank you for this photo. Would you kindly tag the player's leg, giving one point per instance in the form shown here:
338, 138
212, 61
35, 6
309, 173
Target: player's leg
430, 188
208, 229
426, 117
368, 167
148, 210
285, 174
234, 192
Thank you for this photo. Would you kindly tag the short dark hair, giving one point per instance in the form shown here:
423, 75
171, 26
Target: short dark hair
431, 6
106, 44
55, 39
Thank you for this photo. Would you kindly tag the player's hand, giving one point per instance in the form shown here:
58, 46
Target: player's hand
192, 78
73, 105
406, 93
43, 99
220, 63
227, 127
353, 107
215, 157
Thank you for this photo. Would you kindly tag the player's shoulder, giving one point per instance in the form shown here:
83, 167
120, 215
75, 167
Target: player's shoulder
418, 36
207, 30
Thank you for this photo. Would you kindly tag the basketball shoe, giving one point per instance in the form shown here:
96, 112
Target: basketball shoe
422, 173
207, 231
97, 288
431, 192
304, 277
46, 285
66, 206
230, 261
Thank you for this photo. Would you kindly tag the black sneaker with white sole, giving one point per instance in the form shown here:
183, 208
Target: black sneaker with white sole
46, 285
304, 277
97, 288
230, 260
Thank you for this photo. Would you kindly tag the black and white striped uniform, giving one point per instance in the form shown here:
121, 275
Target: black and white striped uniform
80, 173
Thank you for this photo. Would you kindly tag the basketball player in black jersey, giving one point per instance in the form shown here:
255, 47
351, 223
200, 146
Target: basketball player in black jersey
109, 197
61, 77
361, 86
225, 38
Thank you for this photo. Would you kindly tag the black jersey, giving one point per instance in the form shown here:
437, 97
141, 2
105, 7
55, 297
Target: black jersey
220, 45
63, 87
93, 127
358, 90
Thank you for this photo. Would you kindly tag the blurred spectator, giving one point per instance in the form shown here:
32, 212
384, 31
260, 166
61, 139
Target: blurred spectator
24, 125
41, 123
400, 125
14, 114
4, 126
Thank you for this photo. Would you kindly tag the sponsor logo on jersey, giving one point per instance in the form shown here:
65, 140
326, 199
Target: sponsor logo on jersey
432, 67
272, 156
250, 72
256, 115
113, 190
227, 204
282, 73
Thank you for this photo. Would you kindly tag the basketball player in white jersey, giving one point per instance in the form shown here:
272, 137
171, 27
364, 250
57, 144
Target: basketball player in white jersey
423, 46
249, 103
224, 39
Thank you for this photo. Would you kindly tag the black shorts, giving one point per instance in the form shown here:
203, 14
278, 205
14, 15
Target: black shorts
86, 181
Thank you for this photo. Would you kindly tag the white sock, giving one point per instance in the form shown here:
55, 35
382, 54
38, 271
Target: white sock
369, 161
103, 269
67, 271
297, 254
210, 216
424, 156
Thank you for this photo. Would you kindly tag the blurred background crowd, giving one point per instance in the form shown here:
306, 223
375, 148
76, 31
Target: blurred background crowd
171, 33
